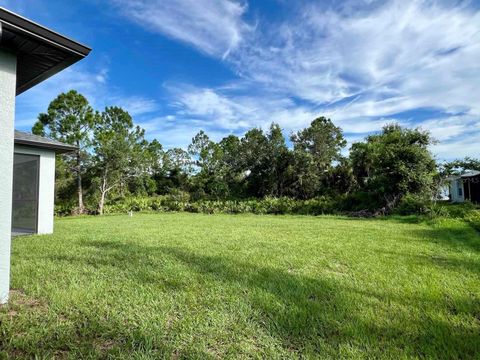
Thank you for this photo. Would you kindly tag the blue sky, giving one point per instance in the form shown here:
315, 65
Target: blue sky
225, 66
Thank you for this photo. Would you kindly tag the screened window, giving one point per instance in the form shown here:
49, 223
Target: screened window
25, 193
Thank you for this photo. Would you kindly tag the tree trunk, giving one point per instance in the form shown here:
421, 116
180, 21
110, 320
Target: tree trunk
103, 193
101, 203
81, 207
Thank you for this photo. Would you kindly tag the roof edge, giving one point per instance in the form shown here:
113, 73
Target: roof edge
58, 148
18, 22
470, 174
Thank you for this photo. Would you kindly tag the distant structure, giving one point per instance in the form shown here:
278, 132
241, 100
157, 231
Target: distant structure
465, 187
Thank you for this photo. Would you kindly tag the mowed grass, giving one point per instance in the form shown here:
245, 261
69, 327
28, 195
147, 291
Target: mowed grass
223, 286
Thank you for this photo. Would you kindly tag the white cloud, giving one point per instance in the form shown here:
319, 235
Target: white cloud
228, 110
135, 105
452, 127
215, 27
468, 145
172, 134
208, 104
415, 53
361, 68
221, 112
361, 63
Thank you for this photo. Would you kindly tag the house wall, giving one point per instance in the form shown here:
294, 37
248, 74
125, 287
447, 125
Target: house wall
8, 70
454, 186
46, 186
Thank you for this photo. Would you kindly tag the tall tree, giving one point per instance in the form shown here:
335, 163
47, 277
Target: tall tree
316, 149
264, 158
70, 119
232, 166
178, 168
395, 163
204, 153
341, 179
208, 158
277, 161
322, 139
119, 148
154, 166
253, 151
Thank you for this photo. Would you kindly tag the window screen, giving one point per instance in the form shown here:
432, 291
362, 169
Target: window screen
25, 193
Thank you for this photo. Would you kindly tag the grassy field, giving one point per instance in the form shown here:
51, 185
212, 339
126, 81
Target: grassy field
223, 286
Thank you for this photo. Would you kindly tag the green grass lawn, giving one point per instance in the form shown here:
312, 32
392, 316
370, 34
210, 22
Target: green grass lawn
246, 286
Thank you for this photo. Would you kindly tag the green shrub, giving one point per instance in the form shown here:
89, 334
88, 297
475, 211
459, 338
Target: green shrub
268, 205
178, 195
436, 210
358, 201
414, 205
465, 211
63, 209
180, 201
459, 210
473, 218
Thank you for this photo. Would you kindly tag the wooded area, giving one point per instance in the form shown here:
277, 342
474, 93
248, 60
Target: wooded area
114, 160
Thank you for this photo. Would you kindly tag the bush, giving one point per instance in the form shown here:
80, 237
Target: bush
180, 201
413, 205
459, 210
63, 209
437, 210
465, 211
473, 218
268, 205
359, 201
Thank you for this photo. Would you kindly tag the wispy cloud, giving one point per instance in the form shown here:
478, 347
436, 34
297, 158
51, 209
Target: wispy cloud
363, 68
135, 105
214, 27
233, 111
398, 52
466, 145
362, 63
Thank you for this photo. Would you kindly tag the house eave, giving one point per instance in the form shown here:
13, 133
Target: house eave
41, 52
59, 149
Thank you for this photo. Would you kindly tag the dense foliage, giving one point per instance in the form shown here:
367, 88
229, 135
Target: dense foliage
393, 164
70, 119
257, 172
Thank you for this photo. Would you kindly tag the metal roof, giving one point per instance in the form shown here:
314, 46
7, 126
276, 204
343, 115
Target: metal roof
40, 52
470, 173
28, 139
466, 174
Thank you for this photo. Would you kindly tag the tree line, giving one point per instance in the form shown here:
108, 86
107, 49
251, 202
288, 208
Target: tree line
114, 160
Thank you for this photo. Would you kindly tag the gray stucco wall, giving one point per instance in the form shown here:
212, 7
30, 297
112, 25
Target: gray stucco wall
7, 113
46, 186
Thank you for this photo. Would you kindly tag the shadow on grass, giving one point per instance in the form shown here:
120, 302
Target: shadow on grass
308, 315
455, 237
402, 219
447, 262
308, 312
